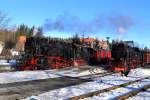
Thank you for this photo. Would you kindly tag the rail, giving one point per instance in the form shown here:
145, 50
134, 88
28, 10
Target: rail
95, 93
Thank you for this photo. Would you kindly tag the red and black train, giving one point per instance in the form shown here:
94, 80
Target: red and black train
50, 53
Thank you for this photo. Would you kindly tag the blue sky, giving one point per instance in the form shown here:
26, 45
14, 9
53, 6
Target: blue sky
35, 12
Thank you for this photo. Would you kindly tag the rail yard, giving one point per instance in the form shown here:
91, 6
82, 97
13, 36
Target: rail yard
75, 69
74, 50
86, 83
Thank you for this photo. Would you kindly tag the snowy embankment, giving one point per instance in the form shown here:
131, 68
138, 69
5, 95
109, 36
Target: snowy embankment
95, 85
18, 76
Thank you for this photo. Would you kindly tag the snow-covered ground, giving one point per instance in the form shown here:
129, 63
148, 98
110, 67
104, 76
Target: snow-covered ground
141, 96
111, 95
76, 72
4, 62
90, 71
18, 76
9, 77
96, 84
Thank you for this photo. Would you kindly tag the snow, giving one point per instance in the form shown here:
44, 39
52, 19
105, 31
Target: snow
18, 76
141, 96
64, 93
111, 95
1, 46
97, 84
75, 72
140, 72
117, 79
14, 52
4, 62
9, 77
91, 71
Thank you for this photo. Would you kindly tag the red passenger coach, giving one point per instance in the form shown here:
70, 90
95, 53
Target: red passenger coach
101, 56
146, 57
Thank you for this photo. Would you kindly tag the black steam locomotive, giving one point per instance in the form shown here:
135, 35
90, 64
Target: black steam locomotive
126, 56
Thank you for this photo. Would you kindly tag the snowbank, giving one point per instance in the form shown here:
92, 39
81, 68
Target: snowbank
139, 72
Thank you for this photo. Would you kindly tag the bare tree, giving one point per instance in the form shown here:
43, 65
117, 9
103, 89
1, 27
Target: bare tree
4, 20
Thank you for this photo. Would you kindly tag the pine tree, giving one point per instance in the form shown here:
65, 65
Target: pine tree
25, 30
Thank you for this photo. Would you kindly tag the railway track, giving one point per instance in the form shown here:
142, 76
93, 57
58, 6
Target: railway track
91, 76
19, 90
122, 97
133, 93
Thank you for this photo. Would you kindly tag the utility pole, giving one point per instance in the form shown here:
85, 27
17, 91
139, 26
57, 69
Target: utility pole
108, 41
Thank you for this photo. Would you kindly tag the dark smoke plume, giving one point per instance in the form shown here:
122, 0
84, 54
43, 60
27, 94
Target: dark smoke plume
69, 23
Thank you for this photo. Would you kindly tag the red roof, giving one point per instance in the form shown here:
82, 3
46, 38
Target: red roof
87, 40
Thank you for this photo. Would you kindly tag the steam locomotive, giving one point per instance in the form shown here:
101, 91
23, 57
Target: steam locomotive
126, 56
50, 53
